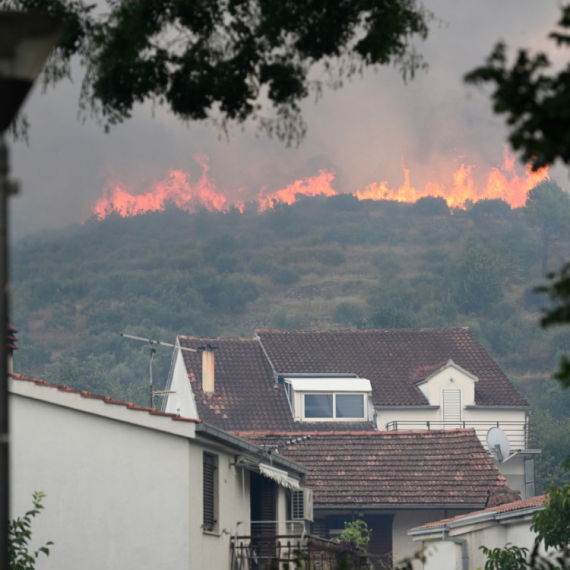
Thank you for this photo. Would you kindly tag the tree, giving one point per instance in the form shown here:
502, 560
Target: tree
480, 278
552, 525
20, 534
356, 532
548, 210
212, 59
508, 558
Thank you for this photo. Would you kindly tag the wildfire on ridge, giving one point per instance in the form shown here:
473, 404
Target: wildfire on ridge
502, 182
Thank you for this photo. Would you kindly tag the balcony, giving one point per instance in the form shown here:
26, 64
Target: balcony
263, 549
520, 434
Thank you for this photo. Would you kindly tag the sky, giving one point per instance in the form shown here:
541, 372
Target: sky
365, 132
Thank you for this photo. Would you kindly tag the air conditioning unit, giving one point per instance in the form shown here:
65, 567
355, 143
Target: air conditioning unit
302, 505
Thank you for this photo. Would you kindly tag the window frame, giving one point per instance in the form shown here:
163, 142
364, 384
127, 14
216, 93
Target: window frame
334, 418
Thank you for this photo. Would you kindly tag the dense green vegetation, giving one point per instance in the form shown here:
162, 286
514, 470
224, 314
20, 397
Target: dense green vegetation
321, 262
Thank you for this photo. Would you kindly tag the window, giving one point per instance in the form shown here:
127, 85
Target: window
334, 406
210, 492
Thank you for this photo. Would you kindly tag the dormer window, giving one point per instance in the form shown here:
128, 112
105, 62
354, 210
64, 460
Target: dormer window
335, 406
329, 399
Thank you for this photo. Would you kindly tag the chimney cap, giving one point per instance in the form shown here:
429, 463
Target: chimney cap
208, 347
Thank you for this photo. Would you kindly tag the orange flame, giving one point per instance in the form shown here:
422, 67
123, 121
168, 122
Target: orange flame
313, 186
502, 183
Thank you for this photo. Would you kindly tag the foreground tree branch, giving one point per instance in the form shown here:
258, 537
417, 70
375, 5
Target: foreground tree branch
229, 60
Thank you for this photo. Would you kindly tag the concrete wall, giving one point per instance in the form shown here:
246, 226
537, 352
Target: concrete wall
121, 495
402, 544
492, 534
117, 495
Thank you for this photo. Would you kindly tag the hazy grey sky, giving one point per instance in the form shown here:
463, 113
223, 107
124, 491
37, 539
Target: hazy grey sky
363, 132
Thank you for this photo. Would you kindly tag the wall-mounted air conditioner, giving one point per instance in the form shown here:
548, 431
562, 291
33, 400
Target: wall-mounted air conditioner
302, 505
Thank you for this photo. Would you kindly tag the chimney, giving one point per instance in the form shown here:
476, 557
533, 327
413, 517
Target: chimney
208, 369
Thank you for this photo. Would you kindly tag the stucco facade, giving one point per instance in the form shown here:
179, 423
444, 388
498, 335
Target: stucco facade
455, 544
124, 488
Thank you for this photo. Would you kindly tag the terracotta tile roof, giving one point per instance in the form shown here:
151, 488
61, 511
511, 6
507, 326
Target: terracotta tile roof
245, 396
450, 468
12, 340
505, 508
392, 359
105, 399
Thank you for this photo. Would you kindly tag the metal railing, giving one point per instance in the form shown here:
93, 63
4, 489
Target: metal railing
264, 550
519, 433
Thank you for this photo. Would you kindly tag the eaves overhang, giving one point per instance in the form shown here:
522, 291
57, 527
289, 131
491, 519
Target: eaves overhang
476, 519
395, 506
448, 364
223, 437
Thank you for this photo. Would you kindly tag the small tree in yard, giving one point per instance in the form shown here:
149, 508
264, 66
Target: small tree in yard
20, 534
356, 532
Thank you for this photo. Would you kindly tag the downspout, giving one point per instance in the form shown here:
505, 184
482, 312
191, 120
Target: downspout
461, 541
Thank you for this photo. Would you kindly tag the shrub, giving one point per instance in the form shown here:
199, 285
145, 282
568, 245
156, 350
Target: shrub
260, 267
282, 320
348, 313
226, 263
391, 318
431, 206
490, 207
332, 257
386, 262
285, 276
356, 532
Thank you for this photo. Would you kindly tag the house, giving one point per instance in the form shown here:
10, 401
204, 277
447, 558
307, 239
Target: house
388, 380
130, 487
369, 389
390, 480
454, 543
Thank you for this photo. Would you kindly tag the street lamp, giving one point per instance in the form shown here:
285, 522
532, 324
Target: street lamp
26, 40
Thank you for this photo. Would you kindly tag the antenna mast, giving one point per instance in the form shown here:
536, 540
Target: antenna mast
152, 344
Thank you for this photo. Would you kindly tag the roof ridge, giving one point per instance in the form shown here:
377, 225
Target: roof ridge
364, 331
105, 399
449, 432
216, 338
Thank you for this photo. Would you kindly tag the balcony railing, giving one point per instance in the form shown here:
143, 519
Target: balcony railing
519, 433
262, 550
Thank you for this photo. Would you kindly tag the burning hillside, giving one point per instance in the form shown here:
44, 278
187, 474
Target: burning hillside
502, 182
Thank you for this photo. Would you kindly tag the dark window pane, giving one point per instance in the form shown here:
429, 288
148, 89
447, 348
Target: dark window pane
349, 406
318, 406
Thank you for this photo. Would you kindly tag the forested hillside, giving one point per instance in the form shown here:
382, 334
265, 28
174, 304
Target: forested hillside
318, 263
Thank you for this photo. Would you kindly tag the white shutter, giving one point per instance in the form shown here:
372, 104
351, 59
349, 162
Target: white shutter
451, 406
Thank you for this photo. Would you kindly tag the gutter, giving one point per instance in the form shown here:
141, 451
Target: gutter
463, 543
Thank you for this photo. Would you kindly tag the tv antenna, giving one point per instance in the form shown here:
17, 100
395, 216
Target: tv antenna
152, 349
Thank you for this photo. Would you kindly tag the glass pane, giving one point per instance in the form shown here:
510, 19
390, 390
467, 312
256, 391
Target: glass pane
318, 406
349, 406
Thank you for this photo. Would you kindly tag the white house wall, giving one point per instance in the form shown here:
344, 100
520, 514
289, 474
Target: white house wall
182, 401
447, 555
450, 378
117, 495
402, 544
121, 495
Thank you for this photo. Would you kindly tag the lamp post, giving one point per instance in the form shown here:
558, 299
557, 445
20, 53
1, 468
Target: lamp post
26, 40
